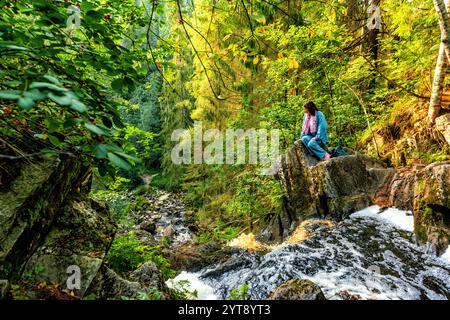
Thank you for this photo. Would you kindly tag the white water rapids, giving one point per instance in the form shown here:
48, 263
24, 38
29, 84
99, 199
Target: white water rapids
372, 255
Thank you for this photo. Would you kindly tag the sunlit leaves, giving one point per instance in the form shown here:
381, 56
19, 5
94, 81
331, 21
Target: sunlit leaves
261, 19
293, 64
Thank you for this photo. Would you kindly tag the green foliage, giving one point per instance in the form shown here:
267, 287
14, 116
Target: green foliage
112, 92
180, 290
57, 81
203, 237
127, 254
36, 271
91, 296
140, 203
255, 195
434, 155
18, 292
117, 202
239, 294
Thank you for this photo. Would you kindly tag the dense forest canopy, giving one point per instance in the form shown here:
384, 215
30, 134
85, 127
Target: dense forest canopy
109, 81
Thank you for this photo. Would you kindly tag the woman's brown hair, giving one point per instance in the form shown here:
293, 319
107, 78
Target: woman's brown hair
311, 107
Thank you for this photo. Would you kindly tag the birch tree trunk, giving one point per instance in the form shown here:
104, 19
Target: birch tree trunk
438, 85
442, 9
444, 24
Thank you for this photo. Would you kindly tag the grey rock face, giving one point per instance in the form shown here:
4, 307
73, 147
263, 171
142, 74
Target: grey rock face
80, 237
148, 275
109, 285
332, 189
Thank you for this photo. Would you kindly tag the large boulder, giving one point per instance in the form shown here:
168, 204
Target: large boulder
143, 283
297, 289
431, 206
30, 199
49, 229
148, 275
346, 184
80, 237
330, 189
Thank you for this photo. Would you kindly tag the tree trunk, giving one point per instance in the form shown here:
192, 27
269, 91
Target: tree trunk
444, 25
438, 85
373, 25
442, 10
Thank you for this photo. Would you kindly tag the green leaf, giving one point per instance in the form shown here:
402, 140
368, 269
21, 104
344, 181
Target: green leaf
127, 156
35, 94
117, 84
25, 103
118, 161
52, 79
100, 151
78, 106
13, 47
64, 100
40, 136
46, 85
54, 141
69, 123
52, 124
93, 128
10, 94
87, 6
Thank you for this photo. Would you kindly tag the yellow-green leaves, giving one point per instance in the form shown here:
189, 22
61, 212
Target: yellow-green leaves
261, 19
293, 64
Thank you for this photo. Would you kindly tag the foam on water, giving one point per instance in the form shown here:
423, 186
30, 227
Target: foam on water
370, 255
446, 255
403, 220
204, 291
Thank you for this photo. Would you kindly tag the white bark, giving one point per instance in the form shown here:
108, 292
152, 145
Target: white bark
438, 85
444, 24
442, 9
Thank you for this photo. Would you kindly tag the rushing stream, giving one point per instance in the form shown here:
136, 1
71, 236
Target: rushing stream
371, 255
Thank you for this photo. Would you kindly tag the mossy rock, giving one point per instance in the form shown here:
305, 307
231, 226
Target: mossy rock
297, 289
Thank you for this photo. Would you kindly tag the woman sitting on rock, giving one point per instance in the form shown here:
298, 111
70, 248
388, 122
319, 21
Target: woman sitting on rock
314, 131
